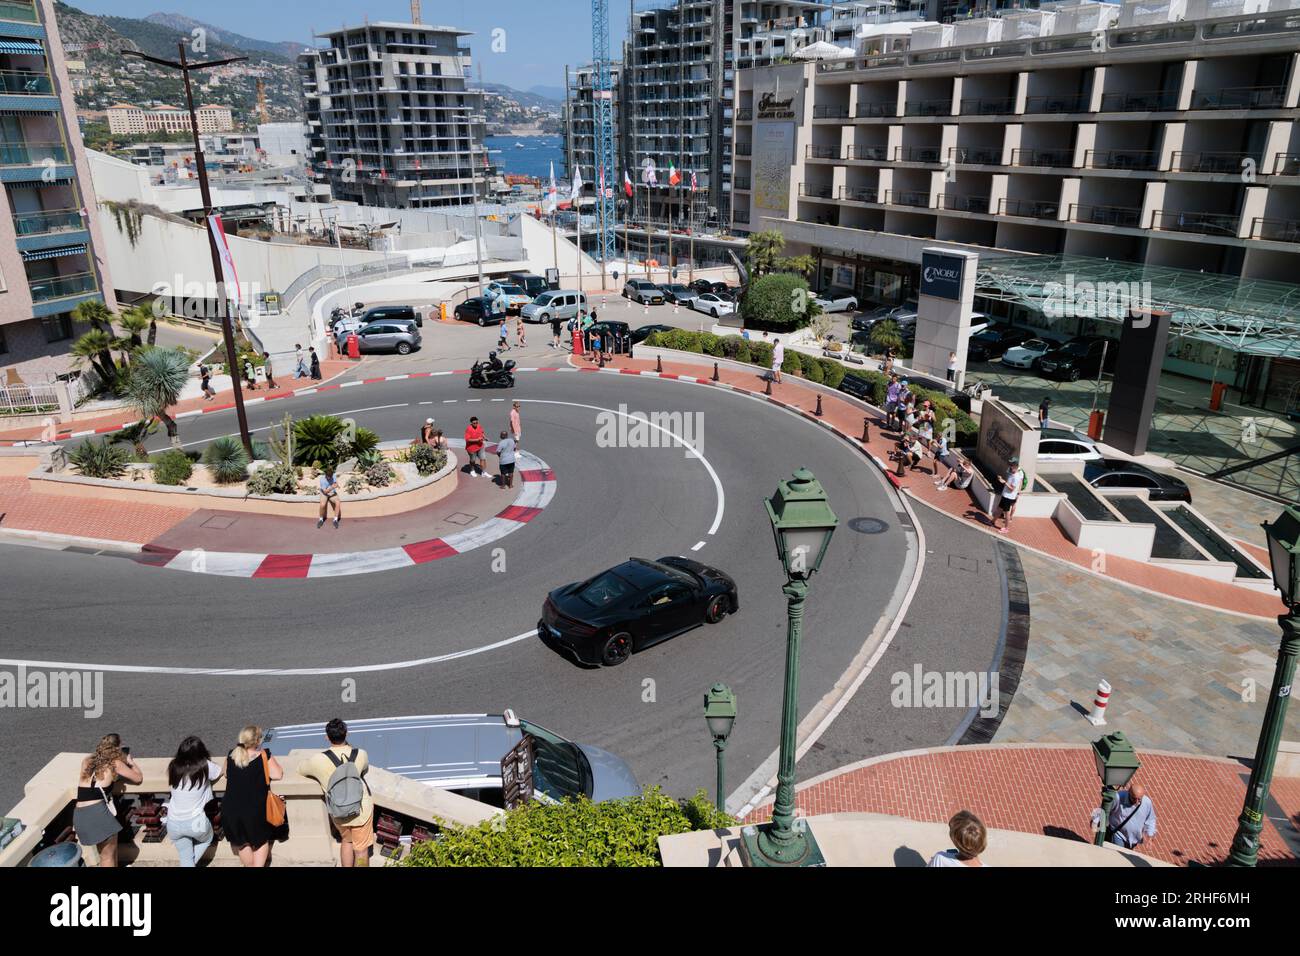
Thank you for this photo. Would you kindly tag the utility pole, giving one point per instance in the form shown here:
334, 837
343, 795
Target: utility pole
473, 178
223, 310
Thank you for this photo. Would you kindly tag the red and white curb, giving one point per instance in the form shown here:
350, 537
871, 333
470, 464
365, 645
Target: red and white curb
537, 488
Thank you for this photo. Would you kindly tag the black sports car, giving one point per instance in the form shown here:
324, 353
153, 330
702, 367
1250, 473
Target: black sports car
602, 620
645, 331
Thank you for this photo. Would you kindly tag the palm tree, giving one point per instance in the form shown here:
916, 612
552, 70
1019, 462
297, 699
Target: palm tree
134, 322
157, 378
135, 435
885, 335
94, 347
762, 252
96, 313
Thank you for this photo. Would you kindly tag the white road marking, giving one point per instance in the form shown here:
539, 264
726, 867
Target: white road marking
269, 671
700, 545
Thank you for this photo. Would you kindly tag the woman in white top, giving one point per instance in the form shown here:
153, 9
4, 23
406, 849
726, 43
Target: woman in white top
190, 775
969, 839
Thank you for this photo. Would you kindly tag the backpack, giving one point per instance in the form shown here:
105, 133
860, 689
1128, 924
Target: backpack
345, 789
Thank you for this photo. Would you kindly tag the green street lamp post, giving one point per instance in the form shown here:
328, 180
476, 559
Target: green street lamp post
1117, 762
720, 715
802, 525
1284, 556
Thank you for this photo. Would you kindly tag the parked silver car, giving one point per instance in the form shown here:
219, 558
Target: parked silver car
562, 304
462, 753
387, 336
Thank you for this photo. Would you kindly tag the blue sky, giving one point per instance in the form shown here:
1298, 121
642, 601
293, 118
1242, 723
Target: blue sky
541, 35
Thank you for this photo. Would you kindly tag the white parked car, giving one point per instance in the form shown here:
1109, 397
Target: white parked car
1064, 444
837, 300
713, 304
1026, 354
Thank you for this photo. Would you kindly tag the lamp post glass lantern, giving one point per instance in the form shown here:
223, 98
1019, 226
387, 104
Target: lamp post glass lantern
1284, 556
802, 525
1117, 762
720, 715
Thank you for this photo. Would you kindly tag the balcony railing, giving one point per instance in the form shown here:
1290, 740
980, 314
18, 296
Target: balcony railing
1149, 101
31, 154
822, 152
859, 193
60, 287
25, 83
963, 203
987, 105
42, 223
24, 12
1211, 162
1239, 98
928, 107
916, 154
1042, 157
816, 190
1276, 230
975, 155
904, 197
876, 154
741, 182
1120, 159
744, 149
1028, 208
745, 114
739, 216
1057, 103
868, 110
1203, 223
1127, 216
830, 112
1286, 164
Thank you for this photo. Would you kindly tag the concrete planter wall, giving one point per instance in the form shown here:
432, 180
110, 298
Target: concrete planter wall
416, 493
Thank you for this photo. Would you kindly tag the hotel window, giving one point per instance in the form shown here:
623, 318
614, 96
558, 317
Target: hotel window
57, 327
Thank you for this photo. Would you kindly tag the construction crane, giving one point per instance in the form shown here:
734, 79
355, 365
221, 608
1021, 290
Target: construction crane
606, 245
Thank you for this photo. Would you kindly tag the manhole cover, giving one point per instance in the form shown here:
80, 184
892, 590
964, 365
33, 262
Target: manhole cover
868, 525
459, 518
219, 522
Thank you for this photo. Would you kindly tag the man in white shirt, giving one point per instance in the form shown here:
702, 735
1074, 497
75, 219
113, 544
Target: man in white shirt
778, 356
1006, 506
1132, 817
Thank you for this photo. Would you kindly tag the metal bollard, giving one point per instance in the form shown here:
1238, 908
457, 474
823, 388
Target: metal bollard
715, 373
866, 433
659, 363
1098, 716
768, 389
818, 413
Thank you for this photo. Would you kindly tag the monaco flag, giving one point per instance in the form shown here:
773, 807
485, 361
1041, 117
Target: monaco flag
627, 184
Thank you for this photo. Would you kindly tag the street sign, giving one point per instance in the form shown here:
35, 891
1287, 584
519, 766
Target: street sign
517, 774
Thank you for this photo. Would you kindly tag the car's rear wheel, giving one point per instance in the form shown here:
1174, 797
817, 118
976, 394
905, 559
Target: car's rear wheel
482, 321
1073, 376
716, 610
616, 649
403, 348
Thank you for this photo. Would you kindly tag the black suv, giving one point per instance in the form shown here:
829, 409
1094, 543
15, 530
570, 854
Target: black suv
993, 341
1076, 358
387, 313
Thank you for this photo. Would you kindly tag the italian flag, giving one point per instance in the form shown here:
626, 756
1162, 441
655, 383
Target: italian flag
674, 177
627, 184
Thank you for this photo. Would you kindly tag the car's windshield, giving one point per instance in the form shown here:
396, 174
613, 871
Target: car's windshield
512, 290
544, 299
1034, 345
560, 769
672, 572
604, 590
1077, 348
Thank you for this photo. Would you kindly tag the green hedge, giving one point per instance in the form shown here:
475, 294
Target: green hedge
172, 467
777, 302
811, 367
967, 429
573, 833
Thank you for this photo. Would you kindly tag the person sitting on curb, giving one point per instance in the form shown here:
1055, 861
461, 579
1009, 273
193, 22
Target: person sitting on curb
329, 497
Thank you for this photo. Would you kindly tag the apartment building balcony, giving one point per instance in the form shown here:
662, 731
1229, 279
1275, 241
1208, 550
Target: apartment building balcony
907, 197
917, 154
1286, 164
19, 11
1222, 162
1147, 101
860, 194
830, 112
47, 222
744, 149
1130, 217
25, 82
987, 105
1239, 98
1120, 159
24, 162
741, 215
1057, 103
1058, 158
745, 114
1275, 230
958, 203
930, 107
1028, 208
741, 183
873, 154
812, 151
1200, 223
975, 155
868, 110
816, 191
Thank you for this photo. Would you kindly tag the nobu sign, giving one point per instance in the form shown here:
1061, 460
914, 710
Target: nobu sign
941, 275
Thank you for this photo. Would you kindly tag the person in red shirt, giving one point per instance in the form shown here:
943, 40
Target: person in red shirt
474, 447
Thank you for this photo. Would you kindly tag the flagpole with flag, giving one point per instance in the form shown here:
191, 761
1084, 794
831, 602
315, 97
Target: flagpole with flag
575, 193
553, 200
651, 179
690, 226
630, 192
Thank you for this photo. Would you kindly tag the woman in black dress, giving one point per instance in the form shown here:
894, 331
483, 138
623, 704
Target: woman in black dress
243, 811
315, 366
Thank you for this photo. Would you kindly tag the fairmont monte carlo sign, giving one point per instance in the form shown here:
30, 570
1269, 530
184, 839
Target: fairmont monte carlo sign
771, 108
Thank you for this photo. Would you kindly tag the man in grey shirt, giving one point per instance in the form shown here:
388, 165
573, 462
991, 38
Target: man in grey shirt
506, 453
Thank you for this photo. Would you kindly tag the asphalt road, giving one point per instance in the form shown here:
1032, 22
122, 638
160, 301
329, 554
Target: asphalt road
611, 502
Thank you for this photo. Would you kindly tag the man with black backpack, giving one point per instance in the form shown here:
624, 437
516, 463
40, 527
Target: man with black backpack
341, 772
